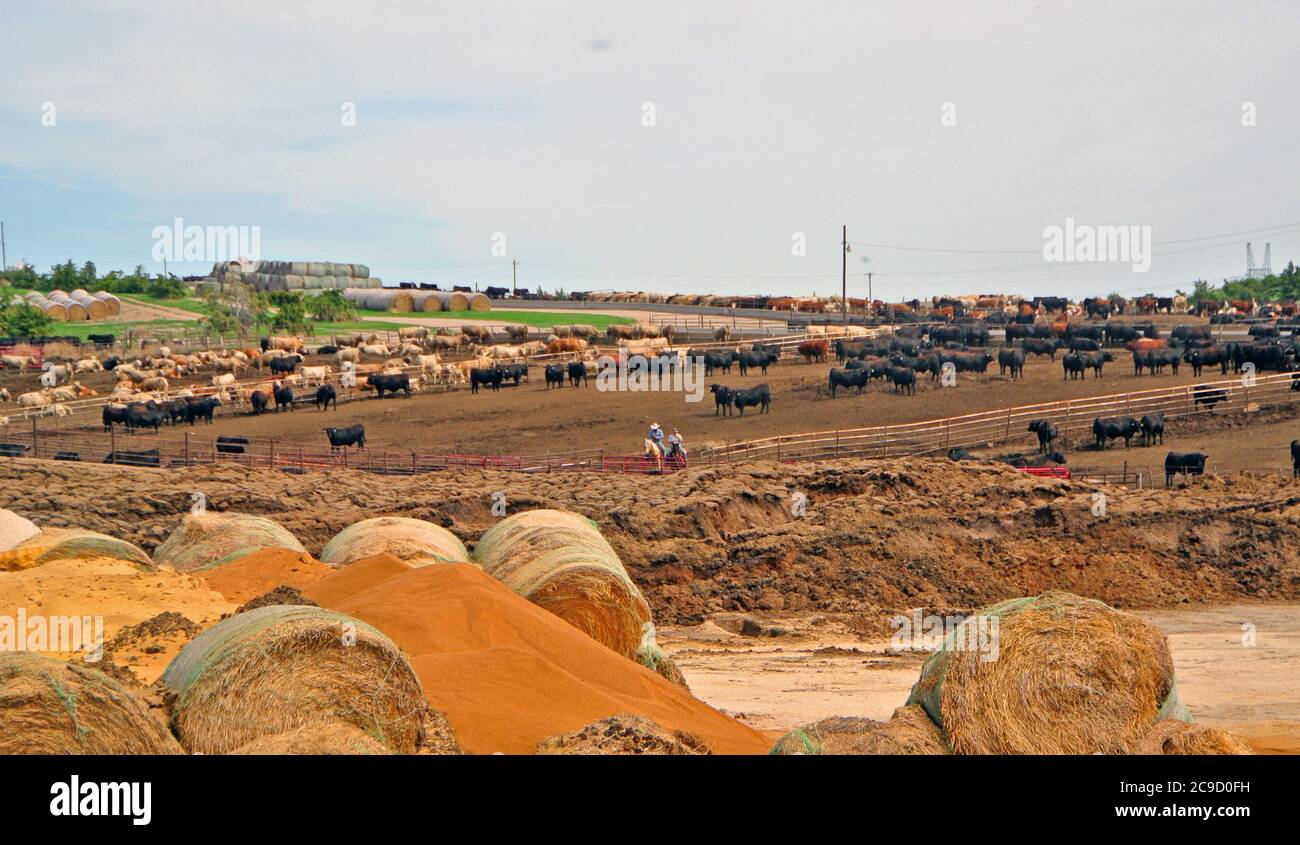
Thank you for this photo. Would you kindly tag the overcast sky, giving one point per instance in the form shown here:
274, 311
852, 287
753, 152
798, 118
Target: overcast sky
770, 119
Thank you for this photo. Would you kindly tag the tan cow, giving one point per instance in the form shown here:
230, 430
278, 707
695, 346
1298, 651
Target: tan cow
288, 344
352, 354
154, 384
317, 375
224, 380
88, 365
34, 399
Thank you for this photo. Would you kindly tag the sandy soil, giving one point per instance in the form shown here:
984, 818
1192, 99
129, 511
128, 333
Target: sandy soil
812, 668
135, 310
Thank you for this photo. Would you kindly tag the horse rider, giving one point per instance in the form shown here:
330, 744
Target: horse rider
676, 445
656, 436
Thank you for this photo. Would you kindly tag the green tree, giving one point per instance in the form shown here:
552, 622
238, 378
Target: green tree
330, 306
23, 320
234, 310
63, 276
290, 312
89, 275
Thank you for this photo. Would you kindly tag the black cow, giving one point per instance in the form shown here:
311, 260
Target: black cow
227, 445
353, 435
1295, 458
178, 410
1039, 346
719, 361
12, 450
327, 350
514, 372
1117, 334
490, 376
1108, 428
761, 360
137, 458
202, 408
975, 362
577, 372
67, 456
325, 394
1153, 426
1209, 356
956, 454
389, 382
722, 396
1046, 431
114, 414
1096, 360
148, 415
554, 375
903, 378
1073, 366
1013, 360
1083, 344
1158, 359
856, 377
285, 364
259, 401
1188, 463
283, 397
760, 396
1208, 396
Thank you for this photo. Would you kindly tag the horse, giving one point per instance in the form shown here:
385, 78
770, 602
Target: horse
654, 452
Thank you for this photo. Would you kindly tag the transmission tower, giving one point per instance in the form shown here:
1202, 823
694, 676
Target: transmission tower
1253, 270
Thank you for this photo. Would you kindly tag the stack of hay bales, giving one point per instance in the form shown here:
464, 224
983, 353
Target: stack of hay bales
560, 562
51, 308
1069, 676
78, 305
294, 275
279, 668
51, 707
386, 299
415, 541
96, 309
204, 541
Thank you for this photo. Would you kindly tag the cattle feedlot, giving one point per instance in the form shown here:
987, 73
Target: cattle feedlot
728, 383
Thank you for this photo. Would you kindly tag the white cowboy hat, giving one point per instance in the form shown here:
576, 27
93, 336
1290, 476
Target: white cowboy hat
654, 425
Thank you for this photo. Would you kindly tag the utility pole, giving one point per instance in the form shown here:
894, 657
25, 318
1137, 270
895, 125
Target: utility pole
870, 298
514, 277
4, 256
844, 279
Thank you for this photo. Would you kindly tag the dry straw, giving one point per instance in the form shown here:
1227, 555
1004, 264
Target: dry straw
560, 562
909, 731
415, 541
51, 707
72, 544
1175, 737
327, 738
1071, 676
278, 668
203, 541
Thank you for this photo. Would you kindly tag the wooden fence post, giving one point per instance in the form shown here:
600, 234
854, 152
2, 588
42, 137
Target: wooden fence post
36, 452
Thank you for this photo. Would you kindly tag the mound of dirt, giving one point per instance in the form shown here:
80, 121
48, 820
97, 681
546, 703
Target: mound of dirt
878, 536
506, 673
263, 571
280, 595
625, 734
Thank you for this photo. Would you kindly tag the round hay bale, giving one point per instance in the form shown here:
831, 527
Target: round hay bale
1068, 676
479, 302
203, 541
277, 668
72, 544
560, 562
326, 738
114, 304
55, 311
415, 541
14, 529
51, 707
76, 311
909, 731
1175, 737
426, 300
359, 271
315, 268
453, 300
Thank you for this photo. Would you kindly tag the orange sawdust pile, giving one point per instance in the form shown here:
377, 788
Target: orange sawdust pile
261, 571
507, 673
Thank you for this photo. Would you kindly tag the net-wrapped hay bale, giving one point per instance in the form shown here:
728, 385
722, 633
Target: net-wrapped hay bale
203, 541
622, 735
415, 541
1176, 737
426, 300
51, 707
359, 271
654, 658
278, 668
560, 562
72, 544
114, 304
909, 731
1066, 675
479, 302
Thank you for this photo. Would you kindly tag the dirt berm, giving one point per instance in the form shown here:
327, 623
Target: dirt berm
876, 535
